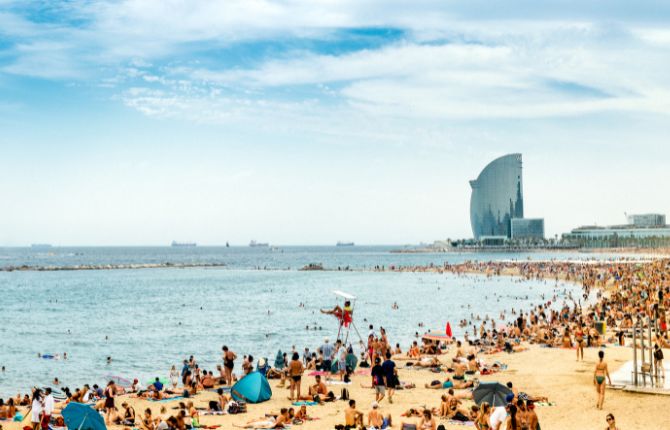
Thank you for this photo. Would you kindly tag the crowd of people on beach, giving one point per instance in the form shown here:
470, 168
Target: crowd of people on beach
621, 296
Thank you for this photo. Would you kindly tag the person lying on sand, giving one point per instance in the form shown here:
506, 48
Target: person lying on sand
301, 415
425, 362
450, 383
269, 422
525, 396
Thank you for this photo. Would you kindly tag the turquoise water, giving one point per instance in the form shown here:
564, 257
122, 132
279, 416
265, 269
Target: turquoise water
149, 319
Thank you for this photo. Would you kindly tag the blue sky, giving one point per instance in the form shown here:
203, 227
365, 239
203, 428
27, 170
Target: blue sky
140, 122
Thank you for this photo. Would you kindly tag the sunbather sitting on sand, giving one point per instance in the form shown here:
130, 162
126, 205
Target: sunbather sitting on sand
317, 391
376, 420
414, 351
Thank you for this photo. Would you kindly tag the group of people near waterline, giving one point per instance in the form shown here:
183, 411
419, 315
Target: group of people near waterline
616, 295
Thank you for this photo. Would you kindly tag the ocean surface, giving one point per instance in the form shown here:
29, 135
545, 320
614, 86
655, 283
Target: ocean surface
150, 319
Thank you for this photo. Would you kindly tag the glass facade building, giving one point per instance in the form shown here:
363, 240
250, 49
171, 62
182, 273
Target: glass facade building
497, 197
527, 228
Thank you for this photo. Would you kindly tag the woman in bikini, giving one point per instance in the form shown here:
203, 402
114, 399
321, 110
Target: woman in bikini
295, 372
482, 421
427, 421
579, 340
599, 378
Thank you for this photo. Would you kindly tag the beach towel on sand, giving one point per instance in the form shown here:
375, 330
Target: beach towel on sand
305, 403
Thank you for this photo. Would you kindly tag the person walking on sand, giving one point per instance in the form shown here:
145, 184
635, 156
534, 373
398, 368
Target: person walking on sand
378, 380
228, 364
599, 375
295, 369
390, 376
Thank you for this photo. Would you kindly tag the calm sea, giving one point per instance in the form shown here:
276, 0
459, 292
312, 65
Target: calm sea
150, 319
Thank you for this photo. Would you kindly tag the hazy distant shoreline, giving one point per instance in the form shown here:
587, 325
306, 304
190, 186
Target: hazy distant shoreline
27, 268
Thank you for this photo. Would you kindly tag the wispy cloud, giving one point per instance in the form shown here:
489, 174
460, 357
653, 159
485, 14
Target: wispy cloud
171, 58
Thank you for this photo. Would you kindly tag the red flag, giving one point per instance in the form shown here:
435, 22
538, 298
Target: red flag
448, 331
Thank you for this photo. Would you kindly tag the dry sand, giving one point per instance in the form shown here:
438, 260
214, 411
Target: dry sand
539, 371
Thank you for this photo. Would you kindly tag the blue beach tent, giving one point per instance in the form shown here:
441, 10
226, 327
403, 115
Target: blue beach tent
79, 416
253, 388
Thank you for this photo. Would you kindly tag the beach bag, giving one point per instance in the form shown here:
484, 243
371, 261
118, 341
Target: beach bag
233, 408
345, 394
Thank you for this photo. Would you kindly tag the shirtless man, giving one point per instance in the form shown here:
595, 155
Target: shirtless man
318, 389
459, 352
352, 416
459, 371
375, 418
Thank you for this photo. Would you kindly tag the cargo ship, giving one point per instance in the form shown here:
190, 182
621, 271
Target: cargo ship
183, 244
345, 244
255, 244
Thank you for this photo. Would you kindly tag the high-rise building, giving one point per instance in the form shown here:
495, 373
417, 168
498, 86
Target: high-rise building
497, 197
527, 228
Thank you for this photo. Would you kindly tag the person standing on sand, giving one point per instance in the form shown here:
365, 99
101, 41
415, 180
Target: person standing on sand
295, 369
327, 350
341, 359
658, 359
228, 364
174, 377
579, 340
497, 418
110, 394
47, 408
599, 378
36, 409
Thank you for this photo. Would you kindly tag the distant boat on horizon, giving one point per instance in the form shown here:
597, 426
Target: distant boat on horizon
183, 244
227, 245
345, 244
255, 244
40, 246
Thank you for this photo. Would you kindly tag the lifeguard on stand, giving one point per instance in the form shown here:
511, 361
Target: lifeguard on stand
344, 315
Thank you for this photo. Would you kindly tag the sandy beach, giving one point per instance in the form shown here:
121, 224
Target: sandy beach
551, 372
